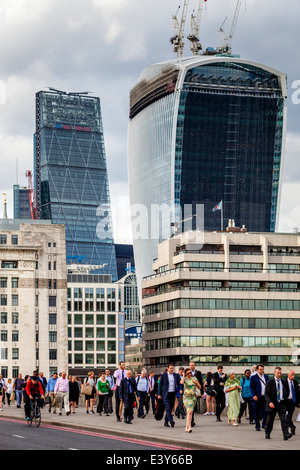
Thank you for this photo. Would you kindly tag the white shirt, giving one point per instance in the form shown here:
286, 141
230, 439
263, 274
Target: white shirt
262, 383
171, 382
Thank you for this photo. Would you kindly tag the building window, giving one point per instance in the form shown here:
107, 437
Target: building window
3, 318
111, 332
3, 239
15, 300
14, 282
9, 264
15, 372
111, 358
52, 301
100, 346
89, 345
15, 336
89, 359
52, 318
52, 336
111, 319
15, 318
15, 353
3, 282
78, 346
4, 336
49, 265
78, 358
52, 354
3, 299
100, 359
54, 265
78, 333
4, 354
111, 345
14, 239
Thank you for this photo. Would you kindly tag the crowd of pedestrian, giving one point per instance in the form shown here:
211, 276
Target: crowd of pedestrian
168, 395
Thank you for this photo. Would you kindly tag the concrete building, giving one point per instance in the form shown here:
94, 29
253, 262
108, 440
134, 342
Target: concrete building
96, 322
233, 299
33, 290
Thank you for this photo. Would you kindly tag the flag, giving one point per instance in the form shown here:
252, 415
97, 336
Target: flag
218, 207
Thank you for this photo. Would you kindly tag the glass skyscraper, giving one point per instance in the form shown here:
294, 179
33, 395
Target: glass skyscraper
202, 130
71, 181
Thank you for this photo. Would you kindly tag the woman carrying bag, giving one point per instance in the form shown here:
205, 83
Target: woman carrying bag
89, 390
189, 396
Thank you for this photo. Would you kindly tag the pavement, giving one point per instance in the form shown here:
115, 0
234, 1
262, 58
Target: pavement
208, 434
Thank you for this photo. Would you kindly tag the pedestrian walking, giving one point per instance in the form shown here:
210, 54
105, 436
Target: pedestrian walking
168, 385
219, 379
210, 393
9, 391
73, 393
258, 382
111, 393
232, 389
143, 390
246, 397
276, 395
90, 384
61, 390
127, 390
293, 398
18, 390
189, 396
119, 374
2, 391
53, 400
103, 389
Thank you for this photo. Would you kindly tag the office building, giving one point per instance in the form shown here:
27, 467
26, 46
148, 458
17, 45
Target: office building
33, 290
21, 202
71, 181
96, 322
124, 255
202, 130
234, 300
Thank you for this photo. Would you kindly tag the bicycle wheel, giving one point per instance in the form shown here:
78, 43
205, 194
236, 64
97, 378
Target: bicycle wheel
37, 415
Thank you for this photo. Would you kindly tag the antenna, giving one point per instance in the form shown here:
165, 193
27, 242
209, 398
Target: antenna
226, 48
177, 40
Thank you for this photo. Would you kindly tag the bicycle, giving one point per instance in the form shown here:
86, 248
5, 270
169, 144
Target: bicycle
35, 414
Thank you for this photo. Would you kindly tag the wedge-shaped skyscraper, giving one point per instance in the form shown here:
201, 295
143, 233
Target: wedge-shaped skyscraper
71, 180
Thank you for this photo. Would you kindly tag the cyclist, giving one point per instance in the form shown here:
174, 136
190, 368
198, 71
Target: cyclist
34, 390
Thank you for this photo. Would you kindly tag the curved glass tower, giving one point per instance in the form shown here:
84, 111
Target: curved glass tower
204, 129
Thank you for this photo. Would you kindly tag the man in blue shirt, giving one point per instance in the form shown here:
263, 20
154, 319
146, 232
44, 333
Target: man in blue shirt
143, 390
246, 397
53, 403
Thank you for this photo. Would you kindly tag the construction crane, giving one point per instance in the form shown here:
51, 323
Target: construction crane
32, 200
177, 40
226, 48
196, 46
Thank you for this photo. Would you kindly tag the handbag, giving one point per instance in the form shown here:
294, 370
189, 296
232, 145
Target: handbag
198, 392
160, 409
87, 389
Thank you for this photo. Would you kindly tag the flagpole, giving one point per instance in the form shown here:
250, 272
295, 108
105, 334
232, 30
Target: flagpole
222, 228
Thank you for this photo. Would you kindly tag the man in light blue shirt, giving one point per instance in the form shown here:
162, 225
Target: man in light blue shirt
50, 392
143, 390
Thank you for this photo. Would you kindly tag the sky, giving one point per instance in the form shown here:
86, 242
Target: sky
102, 46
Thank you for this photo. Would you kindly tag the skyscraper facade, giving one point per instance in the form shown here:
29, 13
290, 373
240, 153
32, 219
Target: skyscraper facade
71, 181
204, 129
21, 202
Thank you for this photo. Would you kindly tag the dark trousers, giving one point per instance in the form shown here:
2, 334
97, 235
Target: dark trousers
290, 406
260, 412
180, 411
281, 409
103, 403
247, 401
128, 407
153, 403
117, 397
142, 401
220, 403
169, 404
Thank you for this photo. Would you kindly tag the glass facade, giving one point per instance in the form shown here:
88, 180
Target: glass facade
71, 179
204, 129
21, 203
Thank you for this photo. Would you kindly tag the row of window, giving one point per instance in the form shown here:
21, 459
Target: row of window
239, 267
92, 346
90, 319
248, 323
223, 342
15, 336
223, 304
14, 282
4, 238
14, 300
93, 359
91, 332
89, 306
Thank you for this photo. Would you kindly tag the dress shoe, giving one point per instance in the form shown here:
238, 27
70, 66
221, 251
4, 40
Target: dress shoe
166, 425
172, 424
193, 424
219, 420
287, 436
268, 436
293, 431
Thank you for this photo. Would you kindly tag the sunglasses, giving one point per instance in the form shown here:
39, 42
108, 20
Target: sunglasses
188, 373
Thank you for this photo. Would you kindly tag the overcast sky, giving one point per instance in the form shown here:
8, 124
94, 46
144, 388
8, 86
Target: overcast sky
102, 46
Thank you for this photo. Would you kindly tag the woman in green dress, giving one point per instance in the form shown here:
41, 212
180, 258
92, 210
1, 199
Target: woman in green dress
232, 389
189, 396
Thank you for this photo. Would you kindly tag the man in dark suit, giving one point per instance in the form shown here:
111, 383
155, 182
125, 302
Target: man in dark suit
168, 386
219, 379
152, 381
293, 397
276, 395
197, 374
127, 392
258, 384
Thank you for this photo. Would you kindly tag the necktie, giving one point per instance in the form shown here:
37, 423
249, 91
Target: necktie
278, 391
293, 392
129, 387
122, 374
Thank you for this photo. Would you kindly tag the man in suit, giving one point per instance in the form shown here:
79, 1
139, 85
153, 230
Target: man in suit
276, 394
168, 385
152, 381
197, 374
127, 390
293, 397
258, 384
219, 379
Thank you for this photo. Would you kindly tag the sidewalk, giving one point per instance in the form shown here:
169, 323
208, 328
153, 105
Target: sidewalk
207, 434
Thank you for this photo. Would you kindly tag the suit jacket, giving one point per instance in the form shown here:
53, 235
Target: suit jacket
163, 388
198, 376
124, 388
217, 380
255, 385
271, 391
297, 390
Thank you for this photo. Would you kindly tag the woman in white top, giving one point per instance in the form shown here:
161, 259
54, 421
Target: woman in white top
89, 399
9, 390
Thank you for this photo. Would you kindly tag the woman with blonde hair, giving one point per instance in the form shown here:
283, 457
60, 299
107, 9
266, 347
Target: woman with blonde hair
89, 399
232, 388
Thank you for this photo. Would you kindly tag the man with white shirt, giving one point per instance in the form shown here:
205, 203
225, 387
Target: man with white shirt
276, 394
168, 385
258, 384
293, 398
61, 390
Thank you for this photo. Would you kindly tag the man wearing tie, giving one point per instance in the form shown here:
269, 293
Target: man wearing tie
276, 395
118, 376
258, 384
293, 398
127, 394
168, 385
